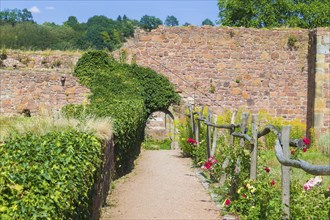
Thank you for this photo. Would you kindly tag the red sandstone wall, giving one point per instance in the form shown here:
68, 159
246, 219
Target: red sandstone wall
37, 90
230, 67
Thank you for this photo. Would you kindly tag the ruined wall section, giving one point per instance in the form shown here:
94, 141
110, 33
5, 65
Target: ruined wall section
229, 68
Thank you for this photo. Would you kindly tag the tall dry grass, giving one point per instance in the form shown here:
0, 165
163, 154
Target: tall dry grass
100, 127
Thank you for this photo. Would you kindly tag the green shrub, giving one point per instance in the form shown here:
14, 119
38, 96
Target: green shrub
49, 176
126, 93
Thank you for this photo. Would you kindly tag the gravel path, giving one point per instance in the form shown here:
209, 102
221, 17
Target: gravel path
162, 186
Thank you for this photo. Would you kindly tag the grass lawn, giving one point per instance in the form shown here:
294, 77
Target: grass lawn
311, 156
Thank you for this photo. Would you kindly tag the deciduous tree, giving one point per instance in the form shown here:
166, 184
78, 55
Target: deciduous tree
278, 13
171, 21
150, 22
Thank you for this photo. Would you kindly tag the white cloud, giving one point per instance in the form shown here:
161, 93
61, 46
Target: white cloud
34, 9
50, 8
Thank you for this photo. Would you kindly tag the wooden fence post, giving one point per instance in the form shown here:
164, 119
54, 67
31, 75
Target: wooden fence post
243, 127
254, 146
215, 136
208, 134
192, 120
285, 140
231, 143
232, 121
197, 129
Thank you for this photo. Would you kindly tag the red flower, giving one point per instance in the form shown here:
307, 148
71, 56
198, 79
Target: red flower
267, 169
305, 149
207, 165
227, 202
292, 151
306, 141
191, 141
244, 195
272, 182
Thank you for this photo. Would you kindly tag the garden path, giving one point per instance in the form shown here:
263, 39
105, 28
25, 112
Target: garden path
162, 186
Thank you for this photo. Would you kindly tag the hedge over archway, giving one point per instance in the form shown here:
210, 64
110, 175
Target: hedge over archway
128, 94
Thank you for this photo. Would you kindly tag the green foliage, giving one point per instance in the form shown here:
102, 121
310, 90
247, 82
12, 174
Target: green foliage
263, 13
89, 65
158, 93
207, 22
149, 22
171, 21
99, 32
126, 93
261, 198
14, 16
150, 144
312, 204
48, 177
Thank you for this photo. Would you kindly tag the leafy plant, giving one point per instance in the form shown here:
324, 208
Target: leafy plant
49, 177
126, 93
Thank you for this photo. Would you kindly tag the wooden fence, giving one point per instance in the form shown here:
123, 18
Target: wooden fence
282, 144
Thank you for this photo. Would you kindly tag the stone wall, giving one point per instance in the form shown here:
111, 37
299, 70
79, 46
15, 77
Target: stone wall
322, 80
229, 68
40, 91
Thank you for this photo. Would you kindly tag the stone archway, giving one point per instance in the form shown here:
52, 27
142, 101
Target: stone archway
160, 126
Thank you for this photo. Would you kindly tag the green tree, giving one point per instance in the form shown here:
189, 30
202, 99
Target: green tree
186, 24
264, 13
207, 22
15, 16
150, 22
171, 21
73, 23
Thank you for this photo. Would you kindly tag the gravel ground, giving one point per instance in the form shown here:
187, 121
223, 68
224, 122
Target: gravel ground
162, 186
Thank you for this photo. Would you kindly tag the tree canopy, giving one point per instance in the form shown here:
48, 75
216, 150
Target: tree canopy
277, 13
150, 22
207, 22
15, 16
18, 31
171, 21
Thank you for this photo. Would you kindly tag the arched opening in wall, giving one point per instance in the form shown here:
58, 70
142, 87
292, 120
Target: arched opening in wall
160, 131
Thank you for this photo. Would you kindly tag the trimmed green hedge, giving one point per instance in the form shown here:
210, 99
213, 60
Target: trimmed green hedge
48, 177
126, 93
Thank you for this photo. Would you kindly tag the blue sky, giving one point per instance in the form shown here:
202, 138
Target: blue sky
193, 12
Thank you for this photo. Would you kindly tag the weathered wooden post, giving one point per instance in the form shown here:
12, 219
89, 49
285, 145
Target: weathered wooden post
215, 136
285, 140
198, 128
243, 127
231, 143
232, 121
192, 120
208, 134
254, 148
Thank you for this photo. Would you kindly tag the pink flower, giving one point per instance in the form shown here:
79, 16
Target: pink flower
207, 165
328, 189
307, 187
227, 202
267, 169
244, 195
306, 141
273, 182
191, 141
292, 151
305, 149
